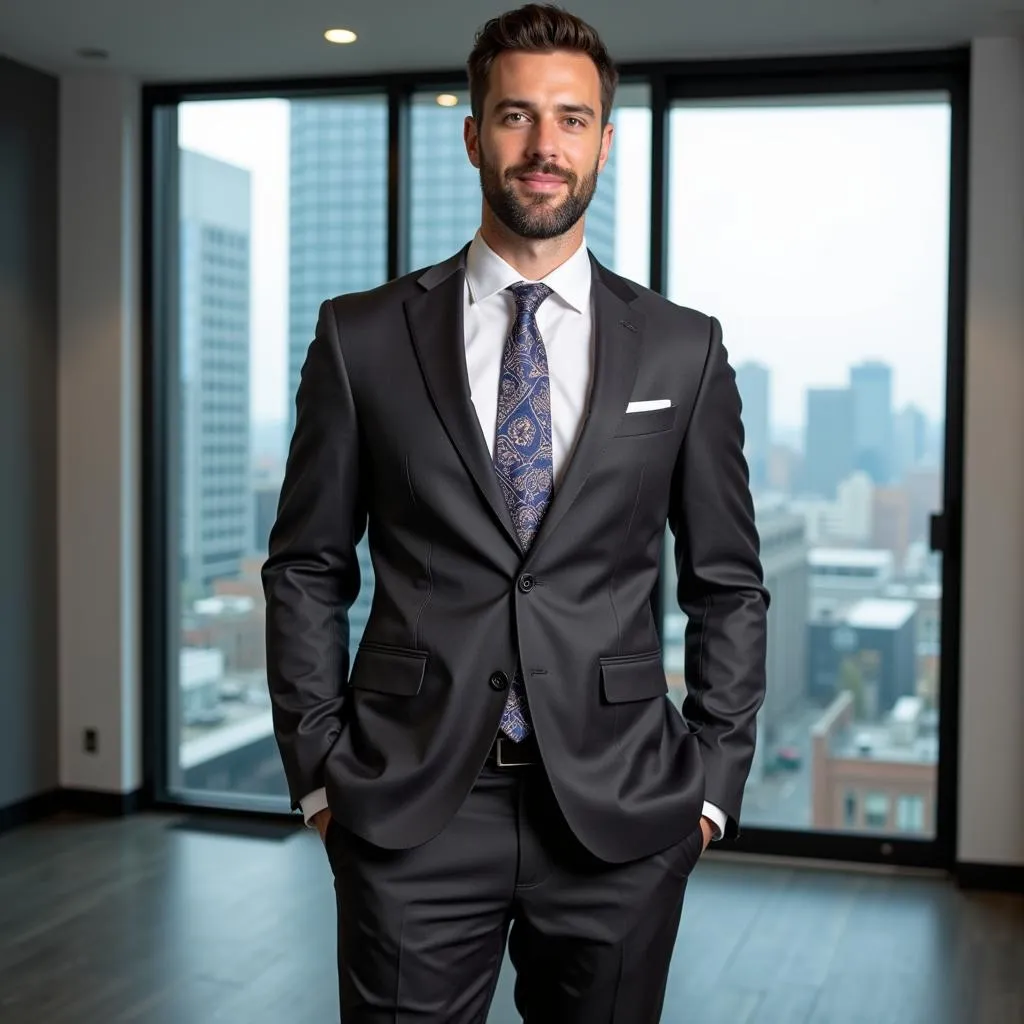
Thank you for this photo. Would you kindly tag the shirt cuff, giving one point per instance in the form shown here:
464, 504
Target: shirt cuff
313, 803
717, 817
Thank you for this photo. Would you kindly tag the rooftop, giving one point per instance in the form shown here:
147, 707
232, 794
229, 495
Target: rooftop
850, 557
926, 590
245, 718
879, 613
881, 743
908, 735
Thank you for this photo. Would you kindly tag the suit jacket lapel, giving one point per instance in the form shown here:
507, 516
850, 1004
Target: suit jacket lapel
436, 324
618, 331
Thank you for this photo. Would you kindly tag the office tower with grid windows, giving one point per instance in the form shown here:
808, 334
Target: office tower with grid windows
216, 494
338, 165
338, 227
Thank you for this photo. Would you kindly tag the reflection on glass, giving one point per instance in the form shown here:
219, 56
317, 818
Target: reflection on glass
817, 233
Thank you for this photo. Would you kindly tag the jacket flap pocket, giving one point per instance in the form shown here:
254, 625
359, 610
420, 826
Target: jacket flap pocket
397, 671
637, 677
633, 423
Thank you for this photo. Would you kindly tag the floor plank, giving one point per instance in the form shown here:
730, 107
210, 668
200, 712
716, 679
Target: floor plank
134, 921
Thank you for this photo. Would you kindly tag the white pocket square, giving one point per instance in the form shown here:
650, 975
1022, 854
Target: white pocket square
649, 406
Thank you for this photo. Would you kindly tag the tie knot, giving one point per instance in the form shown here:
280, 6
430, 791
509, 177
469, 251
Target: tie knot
529, 295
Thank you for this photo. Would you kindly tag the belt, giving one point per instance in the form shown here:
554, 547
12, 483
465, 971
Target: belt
507, 754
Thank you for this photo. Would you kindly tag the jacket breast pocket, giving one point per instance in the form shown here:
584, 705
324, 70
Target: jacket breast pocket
633, 677
654, 421
380, 668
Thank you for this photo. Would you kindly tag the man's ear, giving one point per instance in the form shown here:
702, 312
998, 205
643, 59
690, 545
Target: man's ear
607, 134
471, 137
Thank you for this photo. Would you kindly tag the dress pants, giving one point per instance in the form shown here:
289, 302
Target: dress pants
422, 932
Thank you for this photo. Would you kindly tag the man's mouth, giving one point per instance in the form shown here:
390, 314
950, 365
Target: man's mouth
542, 182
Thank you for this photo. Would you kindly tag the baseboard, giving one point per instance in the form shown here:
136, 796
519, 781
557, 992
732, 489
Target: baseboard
991, 877
78, 801
102, 804
24, 812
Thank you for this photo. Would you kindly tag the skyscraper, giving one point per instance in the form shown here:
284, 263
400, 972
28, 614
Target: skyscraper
337, 211
753, 380
828, 446
216, 492
873, 434
910, 447
444, 188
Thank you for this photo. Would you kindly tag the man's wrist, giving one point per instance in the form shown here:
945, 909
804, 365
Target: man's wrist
716, 817
320, 820
313, 803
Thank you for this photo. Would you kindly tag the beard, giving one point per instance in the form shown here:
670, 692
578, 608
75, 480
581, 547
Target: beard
541, 216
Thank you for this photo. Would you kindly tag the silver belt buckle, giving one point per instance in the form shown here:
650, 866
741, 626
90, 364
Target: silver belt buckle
502, 763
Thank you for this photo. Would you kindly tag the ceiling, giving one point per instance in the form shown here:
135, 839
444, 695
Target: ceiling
200, 40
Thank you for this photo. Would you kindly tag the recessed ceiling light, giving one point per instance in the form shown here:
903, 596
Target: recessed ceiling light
446, 99
340, 35
93, 53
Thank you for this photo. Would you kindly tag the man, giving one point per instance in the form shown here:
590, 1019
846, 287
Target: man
515, 427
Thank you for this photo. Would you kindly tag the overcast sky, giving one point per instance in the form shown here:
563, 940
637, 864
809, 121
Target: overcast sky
816, 234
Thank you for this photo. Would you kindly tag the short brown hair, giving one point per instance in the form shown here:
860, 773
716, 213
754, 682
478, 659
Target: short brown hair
538, 28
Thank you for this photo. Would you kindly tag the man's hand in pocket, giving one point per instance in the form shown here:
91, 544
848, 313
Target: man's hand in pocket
321, 820
708, 830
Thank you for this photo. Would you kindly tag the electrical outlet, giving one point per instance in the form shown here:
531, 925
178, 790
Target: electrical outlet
90, 741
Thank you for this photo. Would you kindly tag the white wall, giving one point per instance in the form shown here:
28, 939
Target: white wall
99, 622
991, 827
98, 432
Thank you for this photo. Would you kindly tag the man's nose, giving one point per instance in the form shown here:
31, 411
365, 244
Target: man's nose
543, 143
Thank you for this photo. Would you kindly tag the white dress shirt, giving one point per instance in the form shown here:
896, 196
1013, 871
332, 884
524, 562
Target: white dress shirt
565, 322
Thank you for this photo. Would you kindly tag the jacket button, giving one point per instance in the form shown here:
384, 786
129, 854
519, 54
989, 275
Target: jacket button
526, 582
499, 681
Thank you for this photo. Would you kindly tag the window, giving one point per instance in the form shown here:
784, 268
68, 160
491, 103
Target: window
850, 810
283, 204
814, 226
876, 811
264, 186
815, 229
910, 814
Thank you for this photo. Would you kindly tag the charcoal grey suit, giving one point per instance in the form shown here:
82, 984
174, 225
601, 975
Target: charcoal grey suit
401, 739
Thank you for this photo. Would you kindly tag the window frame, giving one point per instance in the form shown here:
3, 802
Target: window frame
946, 70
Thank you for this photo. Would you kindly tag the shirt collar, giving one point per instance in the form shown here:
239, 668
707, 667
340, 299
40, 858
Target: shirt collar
488, 274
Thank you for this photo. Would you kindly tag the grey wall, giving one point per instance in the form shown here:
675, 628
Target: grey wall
28, 433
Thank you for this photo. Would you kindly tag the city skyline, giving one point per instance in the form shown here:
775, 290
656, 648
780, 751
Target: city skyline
842, 522
784, 435
899, 285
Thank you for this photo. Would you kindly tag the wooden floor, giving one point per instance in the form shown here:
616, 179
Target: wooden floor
133, 920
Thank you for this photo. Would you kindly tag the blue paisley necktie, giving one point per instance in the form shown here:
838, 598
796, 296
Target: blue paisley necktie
522, 450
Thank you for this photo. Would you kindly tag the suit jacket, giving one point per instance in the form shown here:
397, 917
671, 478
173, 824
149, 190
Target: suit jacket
386, 439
